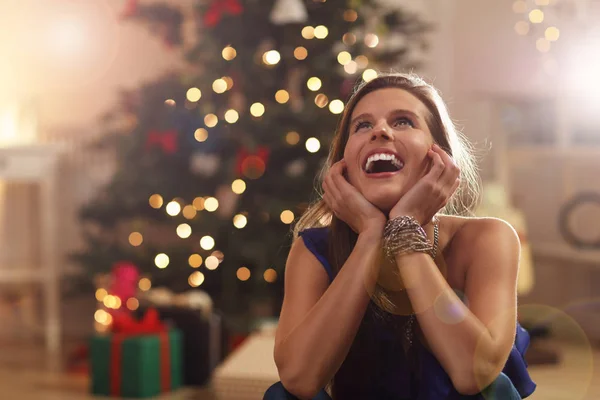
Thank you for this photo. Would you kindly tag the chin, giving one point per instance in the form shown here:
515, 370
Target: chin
384, 200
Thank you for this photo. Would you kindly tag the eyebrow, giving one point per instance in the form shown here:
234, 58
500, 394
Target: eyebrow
395, 112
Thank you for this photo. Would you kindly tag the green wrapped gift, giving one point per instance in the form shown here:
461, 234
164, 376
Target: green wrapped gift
136, 363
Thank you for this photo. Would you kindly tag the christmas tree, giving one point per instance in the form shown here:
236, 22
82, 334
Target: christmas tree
217, 160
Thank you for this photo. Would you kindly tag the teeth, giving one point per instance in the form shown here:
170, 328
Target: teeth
382, 156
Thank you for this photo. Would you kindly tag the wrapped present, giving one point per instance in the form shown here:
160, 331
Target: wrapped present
137, 359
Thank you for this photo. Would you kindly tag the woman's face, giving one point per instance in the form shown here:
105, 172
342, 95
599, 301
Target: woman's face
388, 140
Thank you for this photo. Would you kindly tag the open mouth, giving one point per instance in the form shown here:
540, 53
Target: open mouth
379, 163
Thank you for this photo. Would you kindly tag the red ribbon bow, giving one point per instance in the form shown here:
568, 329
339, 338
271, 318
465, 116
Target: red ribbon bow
167, 140
220, 7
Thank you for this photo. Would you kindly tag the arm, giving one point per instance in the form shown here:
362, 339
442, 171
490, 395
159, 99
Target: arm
473, 343
318, 323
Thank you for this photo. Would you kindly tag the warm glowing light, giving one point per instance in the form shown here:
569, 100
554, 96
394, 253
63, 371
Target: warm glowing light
552, 34
229, 53
522, 28
371, 40
238, 186
211, 263
349, 39
351, 67
184, 231
219, 254
308, 32
270, 275
321, 100
211, 204
207, 242
193, 94
229, 81
300, 53
135, 239
144, 284
542, 2
321, 32
243, 274
132, 303
101, 294
189, 212
313, 83
282, 96
198, 203
219, 85
536, 16
344, 57
173, 208
231, 116
156, 201
195, 260
240, 221
257, 109
102, 317
170, 103
211, 120
201, 134
196, 279
336, 106
362, 61
350, 15
161, 260
542, 45
519, 7
292, 138
369, 75
271, 57
313, 145
287, 217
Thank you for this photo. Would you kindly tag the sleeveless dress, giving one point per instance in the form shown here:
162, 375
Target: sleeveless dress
394, 381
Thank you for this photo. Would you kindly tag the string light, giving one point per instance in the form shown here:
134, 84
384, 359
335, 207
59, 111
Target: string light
308, 32
228, 53
161, 260
195, 260
211, 120
144, 284
271, 57
552, 34
368, 75
184, 231
156, 201
282, 96
243, 274
336, 106
238, 186
321, 32
198, 203
240, 221
287, 217
312, 145
173, 208
211, 204
536, 16
211, 263
219, 86
292, 138
344, 57
270, 275
201, 134
135, 239
321, 100
300, 53
101, 294
257, 110
231, 116
207, 242
314, 83
102, 317
193, 94
189, 212
196, 279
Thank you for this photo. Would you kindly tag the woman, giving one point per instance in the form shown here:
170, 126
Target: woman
389, 293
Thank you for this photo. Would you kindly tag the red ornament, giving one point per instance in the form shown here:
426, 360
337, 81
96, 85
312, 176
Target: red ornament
166, 140
252, 165
220, 7
125, 277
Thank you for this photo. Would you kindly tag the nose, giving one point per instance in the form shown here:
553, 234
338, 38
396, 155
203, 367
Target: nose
381, 131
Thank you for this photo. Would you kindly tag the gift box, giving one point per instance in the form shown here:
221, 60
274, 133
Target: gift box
138, 359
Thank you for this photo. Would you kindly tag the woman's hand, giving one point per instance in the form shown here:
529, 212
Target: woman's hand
348, 204
432, 192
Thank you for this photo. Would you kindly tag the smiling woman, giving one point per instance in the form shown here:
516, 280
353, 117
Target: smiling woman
399, 295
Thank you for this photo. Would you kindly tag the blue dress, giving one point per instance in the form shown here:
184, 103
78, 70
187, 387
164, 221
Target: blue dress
394, 381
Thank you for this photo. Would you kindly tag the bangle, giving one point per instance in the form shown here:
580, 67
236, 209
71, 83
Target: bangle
404, 235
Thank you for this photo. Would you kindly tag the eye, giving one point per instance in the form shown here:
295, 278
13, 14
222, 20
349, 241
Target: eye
403, 121
361, 124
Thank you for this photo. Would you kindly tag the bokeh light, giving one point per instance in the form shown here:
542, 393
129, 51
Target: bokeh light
369, 75
321, 100
161, 260
313, 145
135, 239
344, 57
351, 67
243, 274
349, 39
271, 57
522, 28
300, 53
542, 45
211, 263
144, 284
101, 294
156, 201
189, 212
282, 96
219, 86
201, 134
193, 94
552, 34
257, 110
350, 15
211, 120
240, 221
321, 32
198, 203
292, 138
184, 231
173, 208
371, 40
238, 186
195, 260
207, 242
313, 83
519, 7
287, 217
196, 279
231, 116
211, 204
229, 53
336, 106
270, 275
132, 303
536, 16
308, 32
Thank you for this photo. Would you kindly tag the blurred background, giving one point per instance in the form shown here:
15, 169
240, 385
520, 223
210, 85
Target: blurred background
154, 156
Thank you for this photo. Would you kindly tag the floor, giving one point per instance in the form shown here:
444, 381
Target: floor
24, 377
